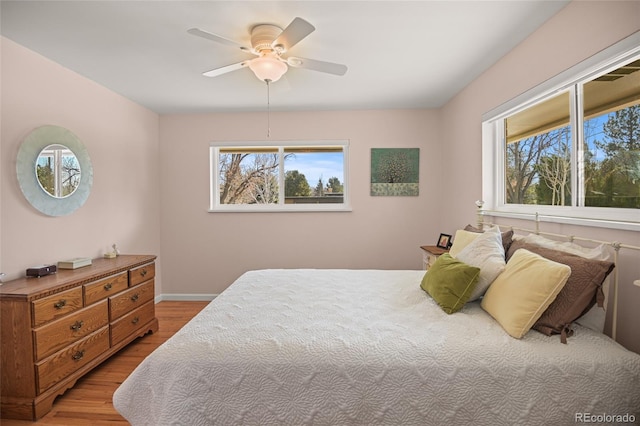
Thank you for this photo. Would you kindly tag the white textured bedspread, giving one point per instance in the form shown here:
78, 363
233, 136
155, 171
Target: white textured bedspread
362, 347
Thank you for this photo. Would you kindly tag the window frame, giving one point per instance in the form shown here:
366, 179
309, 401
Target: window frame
214, 179
494, 148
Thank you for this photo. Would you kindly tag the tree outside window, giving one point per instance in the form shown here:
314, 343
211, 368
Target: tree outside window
540, 164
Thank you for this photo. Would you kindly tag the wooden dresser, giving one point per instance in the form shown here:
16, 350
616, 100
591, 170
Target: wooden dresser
55, 329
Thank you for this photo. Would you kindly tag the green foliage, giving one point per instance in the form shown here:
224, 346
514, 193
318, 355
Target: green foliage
318, 191
334, 186
296, 185
45, 177
538, 168
615, 180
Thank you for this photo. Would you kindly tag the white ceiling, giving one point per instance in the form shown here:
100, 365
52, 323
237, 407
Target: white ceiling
400, 54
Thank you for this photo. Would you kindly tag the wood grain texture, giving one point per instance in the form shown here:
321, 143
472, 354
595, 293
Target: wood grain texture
123, 327
56, 306
43, 330
141, 274
89, 402
104, 288
35, 288
58, 334
130, 299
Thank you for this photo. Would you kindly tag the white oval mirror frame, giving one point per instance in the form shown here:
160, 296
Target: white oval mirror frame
28, 153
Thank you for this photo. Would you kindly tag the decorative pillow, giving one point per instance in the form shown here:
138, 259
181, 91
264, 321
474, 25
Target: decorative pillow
487, 253
582, 290
507, 236
461, 240
450, 282
526, 288
595, 318
599, 253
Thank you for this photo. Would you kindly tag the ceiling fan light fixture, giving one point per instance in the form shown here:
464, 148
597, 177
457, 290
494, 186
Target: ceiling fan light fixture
269, 42
268, 68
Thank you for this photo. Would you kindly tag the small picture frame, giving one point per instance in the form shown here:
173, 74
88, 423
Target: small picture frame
444, 241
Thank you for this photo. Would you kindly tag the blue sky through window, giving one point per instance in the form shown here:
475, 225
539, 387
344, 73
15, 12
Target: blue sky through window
593, 131
316, 165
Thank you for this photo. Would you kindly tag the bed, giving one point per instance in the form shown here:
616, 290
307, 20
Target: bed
368, 347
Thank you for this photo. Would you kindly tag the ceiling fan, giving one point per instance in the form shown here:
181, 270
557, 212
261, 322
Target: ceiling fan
269, 43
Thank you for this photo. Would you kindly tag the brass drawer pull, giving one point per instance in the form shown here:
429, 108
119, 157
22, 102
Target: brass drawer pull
135, 297
143, 272
78, 355
135, 320
107, 287
60, 304
77, 325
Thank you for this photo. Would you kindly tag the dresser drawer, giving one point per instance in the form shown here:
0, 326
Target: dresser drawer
59, 365
101, 289
56, 306
130, 300
141, 274
130, 323
60, 333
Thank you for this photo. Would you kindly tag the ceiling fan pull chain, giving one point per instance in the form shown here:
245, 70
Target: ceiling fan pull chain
268, 111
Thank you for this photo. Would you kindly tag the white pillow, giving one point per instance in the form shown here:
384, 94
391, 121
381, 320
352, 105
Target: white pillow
461, 240
487, 253
598, 253
594, 319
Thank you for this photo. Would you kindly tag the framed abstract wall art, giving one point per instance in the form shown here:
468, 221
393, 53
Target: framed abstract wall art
395, 171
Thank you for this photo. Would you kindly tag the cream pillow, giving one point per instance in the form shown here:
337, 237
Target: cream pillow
461, 240
526, 288
487, 253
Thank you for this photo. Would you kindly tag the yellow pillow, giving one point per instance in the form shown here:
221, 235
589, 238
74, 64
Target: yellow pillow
461, 240
524, 290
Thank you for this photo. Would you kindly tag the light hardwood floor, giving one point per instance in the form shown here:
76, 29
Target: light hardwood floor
89, 401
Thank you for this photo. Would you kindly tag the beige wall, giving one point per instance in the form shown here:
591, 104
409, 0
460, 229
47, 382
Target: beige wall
151, 191
122, 140
204, 252
577, 32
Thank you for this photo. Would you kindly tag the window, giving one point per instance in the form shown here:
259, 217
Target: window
58, 170
279, 176
570, 148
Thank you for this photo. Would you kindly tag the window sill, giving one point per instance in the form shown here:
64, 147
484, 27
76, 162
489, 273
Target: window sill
280, 209
571, 220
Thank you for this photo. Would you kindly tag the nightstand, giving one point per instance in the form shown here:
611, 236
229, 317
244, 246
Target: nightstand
430, 254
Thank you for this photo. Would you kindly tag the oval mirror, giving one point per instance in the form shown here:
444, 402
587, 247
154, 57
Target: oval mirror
58, 171
54, 170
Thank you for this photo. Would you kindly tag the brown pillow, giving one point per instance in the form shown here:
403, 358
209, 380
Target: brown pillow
507, 236
582, 290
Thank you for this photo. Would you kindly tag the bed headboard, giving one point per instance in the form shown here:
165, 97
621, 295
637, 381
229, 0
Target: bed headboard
615, 245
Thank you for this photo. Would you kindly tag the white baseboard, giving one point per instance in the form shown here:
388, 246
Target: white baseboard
185, 297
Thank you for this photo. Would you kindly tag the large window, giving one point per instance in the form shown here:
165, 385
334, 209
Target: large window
572, 147
279, 176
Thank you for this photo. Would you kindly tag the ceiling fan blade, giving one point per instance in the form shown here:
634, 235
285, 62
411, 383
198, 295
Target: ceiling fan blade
296, 31
322, 66
223, 70
218, 39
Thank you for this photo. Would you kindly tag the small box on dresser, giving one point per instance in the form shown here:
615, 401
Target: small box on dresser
55, 329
